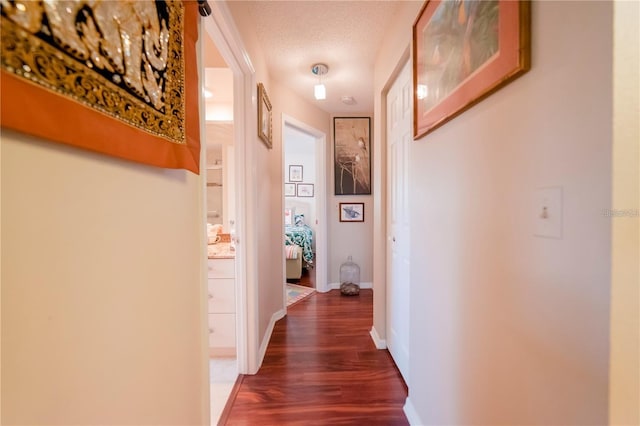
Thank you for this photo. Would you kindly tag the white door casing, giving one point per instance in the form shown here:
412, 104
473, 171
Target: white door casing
221, 28
399, 111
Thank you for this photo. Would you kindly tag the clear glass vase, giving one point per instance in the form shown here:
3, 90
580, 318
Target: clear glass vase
350, 272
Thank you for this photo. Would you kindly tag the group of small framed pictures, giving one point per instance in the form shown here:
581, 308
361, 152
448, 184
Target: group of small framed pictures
348, 212
297, 189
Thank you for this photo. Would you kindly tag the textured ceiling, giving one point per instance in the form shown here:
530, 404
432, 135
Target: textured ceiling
345, 35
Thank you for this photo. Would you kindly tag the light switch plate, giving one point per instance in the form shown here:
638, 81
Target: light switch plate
548, 212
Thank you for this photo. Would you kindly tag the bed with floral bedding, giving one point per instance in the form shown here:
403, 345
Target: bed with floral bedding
300, 234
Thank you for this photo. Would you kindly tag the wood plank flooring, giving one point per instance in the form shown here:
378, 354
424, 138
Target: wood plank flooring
322, 368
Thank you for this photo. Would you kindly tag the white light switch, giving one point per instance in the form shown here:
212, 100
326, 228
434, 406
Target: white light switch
548, 212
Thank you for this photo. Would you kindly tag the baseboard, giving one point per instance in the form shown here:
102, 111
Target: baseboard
411, 413
380, 343
267, 335
336, 286
226, 411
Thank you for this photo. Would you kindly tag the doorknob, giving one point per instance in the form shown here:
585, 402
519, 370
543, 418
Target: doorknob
393, 239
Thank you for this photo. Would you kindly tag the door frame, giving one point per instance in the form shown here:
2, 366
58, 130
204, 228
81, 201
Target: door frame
378, 330
380, 244
389, 279
322, 284
221, 28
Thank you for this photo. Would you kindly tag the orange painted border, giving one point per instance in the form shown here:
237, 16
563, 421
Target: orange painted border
28, 108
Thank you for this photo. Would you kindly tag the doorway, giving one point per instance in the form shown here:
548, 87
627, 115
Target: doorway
398, 137
219, 165
305, 148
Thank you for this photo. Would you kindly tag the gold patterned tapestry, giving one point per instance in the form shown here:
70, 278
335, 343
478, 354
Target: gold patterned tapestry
116, 77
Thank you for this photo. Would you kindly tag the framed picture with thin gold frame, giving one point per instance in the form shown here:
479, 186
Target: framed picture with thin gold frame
264, 117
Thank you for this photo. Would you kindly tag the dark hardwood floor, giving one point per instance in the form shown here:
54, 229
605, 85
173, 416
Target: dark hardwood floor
322, 368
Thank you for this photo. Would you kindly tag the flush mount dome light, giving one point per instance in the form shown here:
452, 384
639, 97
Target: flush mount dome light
319, 91
348, 100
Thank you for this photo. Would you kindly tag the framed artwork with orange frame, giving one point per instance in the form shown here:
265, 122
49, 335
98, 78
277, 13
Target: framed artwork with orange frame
464, 51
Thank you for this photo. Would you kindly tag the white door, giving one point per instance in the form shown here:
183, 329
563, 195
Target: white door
399, 112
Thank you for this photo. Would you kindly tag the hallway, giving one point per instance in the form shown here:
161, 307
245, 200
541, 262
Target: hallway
321, 367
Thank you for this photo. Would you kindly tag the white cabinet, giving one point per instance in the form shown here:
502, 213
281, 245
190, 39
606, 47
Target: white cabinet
222, 295
222, 307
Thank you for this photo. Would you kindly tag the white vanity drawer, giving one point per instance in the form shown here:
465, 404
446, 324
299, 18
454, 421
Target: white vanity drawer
222, 330
222, 295
221, 268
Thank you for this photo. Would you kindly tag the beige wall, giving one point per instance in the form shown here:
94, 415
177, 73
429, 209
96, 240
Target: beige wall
509, 328
268, 179
102, 286
624, 397
296, 108
346, 239
264, 166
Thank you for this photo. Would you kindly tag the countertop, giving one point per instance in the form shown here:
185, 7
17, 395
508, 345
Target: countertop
221, 251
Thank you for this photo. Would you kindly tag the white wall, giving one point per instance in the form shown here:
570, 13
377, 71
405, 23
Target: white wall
300, 149
220, 169
509, 328
102, 320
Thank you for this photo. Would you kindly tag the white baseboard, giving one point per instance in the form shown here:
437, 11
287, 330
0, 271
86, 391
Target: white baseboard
380, 343
410, 412
336, 286
267, 335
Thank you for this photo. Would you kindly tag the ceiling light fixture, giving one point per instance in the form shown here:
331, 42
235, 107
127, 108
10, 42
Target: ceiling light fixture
319, 91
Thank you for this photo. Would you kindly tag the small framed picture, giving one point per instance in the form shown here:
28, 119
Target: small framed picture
351, 212
295, 173
264, 117
289, 189
305, 190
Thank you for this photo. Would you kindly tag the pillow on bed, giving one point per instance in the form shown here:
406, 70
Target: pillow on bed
288, 216
299, 219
